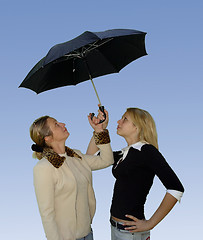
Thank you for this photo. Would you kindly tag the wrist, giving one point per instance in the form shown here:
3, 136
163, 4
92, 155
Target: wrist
98, 130
101, 137
150, 224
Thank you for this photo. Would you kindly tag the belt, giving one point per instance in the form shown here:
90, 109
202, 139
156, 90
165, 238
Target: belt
117, 224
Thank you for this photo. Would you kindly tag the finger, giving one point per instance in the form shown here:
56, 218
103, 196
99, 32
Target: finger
95, 120
133, 231
131, 217
92, 120
130, 229
91, 115
106, 111
129, 223
101, 116
100, 113
89, 118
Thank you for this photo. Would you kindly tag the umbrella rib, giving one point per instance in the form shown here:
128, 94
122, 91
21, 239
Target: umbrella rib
85, 50
73, 55
95, 45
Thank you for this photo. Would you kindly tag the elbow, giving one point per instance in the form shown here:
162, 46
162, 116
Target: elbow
176, 194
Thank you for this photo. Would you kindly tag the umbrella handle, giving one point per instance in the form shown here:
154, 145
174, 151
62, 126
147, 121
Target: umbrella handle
101, 108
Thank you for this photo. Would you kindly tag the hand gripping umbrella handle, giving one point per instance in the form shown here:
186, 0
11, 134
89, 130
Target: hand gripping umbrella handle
101, 108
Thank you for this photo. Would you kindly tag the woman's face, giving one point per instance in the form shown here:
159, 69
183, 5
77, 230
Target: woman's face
58, 129
125, 127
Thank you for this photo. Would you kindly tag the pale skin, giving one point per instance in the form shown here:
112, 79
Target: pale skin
130, 132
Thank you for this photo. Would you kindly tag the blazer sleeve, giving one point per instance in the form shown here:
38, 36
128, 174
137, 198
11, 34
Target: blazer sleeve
103, 160
44, 190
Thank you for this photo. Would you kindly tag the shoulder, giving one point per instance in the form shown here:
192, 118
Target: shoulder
78, 152
83, 157
43, 165
149, 148
152, 155
43, 172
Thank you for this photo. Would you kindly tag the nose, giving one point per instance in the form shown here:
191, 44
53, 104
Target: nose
62, 124
119, 121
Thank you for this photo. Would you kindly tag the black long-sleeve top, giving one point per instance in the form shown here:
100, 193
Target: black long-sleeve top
134, 178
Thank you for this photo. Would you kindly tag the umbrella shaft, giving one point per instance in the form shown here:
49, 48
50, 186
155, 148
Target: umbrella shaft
95, 89
85, 60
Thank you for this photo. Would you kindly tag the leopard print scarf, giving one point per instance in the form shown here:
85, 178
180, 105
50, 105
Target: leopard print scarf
55, 159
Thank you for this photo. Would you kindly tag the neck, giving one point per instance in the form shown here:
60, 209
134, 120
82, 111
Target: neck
131, 141
59, 148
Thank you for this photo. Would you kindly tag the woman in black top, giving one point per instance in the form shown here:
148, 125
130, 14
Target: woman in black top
134, 169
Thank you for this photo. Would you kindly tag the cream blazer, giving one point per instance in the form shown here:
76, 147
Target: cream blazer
56, 190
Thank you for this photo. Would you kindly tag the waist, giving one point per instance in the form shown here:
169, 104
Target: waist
122, 220
117, 223
120, 209
117, 219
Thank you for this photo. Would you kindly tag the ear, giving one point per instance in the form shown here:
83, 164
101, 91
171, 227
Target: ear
137, 131
48, 139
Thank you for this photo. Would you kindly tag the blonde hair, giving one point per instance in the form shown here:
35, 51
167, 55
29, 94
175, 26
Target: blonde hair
38, 131
146, 125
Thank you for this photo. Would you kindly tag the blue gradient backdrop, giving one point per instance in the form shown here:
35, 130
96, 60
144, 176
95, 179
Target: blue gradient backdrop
167, 83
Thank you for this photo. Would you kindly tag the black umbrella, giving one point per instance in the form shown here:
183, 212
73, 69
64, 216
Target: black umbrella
90, 55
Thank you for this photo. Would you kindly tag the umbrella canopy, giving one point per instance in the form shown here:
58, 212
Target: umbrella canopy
90, 55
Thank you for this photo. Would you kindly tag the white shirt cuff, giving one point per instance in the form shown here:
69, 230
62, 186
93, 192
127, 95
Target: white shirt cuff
176, 194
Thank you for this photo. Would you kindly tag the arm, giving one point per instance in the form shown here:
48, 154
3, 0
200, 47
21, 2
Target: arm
105, 158
92, 147
100, 141
44, 189
158, 164
143, 225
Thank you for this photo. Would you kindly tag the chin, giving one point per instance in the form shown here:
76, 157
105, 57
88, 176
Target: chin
117, 132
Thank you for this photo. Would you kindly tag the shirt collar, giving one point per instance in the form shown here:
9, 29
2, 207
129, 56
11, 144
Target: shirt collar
137, 145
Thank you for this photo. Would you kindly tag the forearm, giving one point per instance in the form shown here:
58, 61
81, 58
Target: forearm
92, 147
102, 143
165, 207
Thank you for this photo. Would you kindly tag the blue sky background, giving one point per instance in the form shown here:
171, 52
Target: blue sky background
167, 83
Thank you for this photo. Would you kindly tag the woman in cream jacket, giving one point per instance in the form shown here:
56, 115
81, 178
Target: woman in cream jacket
63, 179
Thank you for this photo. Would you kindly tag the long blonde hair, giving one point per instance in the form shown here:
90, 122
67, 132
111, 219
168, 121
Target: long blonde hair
146, 125
38, 131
